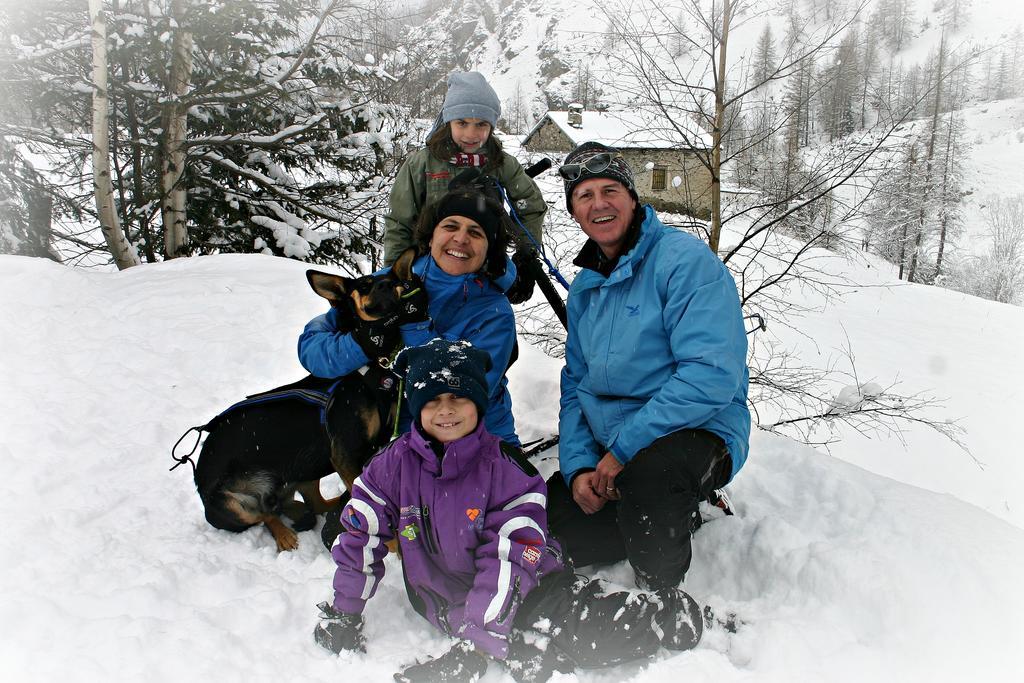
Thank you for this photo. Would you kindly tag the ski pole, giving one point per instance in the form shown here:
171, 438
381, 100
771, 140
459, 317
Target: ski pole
532, 264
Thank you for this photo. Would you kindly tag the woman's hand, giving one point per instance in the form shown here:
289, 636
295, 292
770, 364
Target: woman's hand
378, 339
414, 304
521, 289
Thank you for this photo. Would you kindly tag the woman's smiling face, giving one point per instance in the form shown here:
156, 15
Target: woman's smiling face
459, 245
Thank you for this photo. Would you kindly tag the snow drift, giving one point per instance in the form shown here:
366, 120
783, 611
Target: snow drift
111, 572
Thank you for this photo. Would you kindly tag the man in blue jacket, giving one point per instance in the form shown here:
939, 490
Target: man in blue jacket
654, 391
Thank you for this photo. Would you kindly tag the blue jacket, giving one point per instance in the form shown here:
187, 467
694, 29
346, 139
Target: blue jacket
472, 528
657, 346
465, 307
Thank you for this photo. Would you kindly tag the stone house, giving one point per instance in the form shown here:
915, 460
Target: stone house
668, 174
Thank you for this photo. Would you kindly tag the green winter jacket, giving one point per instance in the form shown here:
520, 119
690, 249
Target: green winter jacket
424, 179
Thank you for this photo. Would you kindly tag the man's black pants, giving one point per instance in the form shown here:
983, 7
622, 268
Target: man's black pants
651, 524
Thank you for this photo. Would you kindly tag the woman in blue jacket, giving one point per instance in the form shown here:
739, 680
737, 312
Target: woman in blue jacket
462, 240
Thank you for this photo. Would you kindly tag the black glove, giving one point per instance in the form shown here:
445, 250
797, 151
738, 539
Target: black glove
414, 303
461, 664
477, 180
522, 289
378, 339
529, 663
339, 631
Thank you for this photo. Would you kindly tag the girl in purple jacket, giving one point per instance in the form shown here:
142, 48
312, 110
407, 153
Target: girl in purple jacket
469, 513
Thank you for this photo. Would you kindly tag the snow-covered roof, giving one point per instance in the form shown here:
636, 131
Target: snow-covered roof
636, 128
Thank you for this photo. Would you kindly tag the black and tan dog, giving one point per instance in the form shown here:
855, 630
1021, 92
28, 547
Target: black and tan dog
263, 450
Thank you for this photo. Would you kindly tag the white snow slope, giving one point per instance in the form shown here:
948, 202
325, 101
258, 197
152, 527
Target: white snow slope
111, 572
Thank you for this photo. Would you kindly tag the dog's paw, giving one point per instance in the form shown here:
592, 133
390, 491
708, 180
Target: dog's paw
286, 538
289, 540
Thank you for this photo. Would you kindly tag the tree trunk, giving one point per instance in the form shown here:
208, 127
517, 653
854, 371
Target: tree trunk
928, 160
945, 190
911, 164
172, 166
40, 223
716, 135
138, 170
123, 253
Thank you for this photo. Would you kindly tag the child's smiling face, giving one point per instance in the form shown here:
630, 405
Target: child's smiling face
448, 417
470, 134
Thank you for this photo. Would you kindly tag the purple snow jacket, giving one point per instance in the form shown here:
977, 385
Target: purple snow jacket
472, 528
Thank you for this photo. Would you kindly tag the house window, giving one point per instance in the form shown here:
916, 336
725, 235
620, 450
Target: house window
659, 178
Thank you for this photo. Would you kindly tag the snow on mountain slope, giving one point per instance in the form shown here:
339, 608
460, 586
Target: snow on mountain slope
113, 574
995, 143
928, 341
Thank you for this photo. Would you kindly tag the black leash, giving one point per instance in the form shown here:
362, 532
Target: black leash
187, 458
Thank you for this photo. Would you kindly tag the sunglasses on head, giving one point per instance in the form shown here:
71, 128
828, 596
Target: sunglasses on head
595, 164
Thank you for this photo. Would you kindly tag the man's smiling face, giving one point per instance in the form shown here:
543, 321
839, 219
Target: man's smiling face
604, 208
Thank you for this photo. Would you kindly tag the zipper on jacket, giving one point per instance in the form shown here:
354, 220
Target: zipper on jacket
429, 540
440, 608
425, 592
512, 600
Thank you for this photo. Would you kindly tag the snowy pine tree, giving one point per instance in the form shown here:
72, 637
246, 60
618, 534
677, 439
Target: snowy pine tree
26, 208
893, 212
764, 56
273, 138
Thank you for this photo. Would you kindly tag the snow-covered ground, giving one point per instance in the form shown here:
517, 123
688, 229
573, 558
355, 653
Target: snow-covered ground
885, 559
112, 573
995, 144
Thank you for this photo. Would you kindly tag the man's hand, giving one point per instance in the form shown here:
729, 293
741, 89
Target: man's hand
604, 482
585, 495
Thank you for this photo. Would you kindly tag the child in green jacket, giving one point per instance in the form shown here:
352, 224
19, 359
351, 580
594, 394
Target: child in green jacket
461, 139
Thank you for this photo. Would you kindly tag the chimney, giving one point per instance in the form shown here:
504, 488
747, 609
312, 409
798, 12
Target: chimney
576, 115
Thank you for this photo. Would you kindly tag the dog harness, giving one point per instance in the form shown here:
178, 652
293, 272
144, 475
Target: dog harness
384, 385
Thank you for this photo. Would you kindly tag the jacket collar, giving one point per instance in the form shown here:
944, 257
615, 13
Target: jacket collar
458, 454
426, 267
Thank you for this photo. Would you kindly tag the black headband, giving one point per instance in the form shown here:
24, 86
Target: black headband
474, 206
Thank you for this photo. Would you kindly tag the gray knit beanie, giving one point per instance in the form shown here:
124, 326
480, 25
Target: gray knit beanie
617, 169
470, 96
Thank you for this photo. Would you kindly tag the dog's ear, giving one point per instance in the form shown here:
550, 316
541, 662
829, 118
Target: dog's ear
403, 265
334, 288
